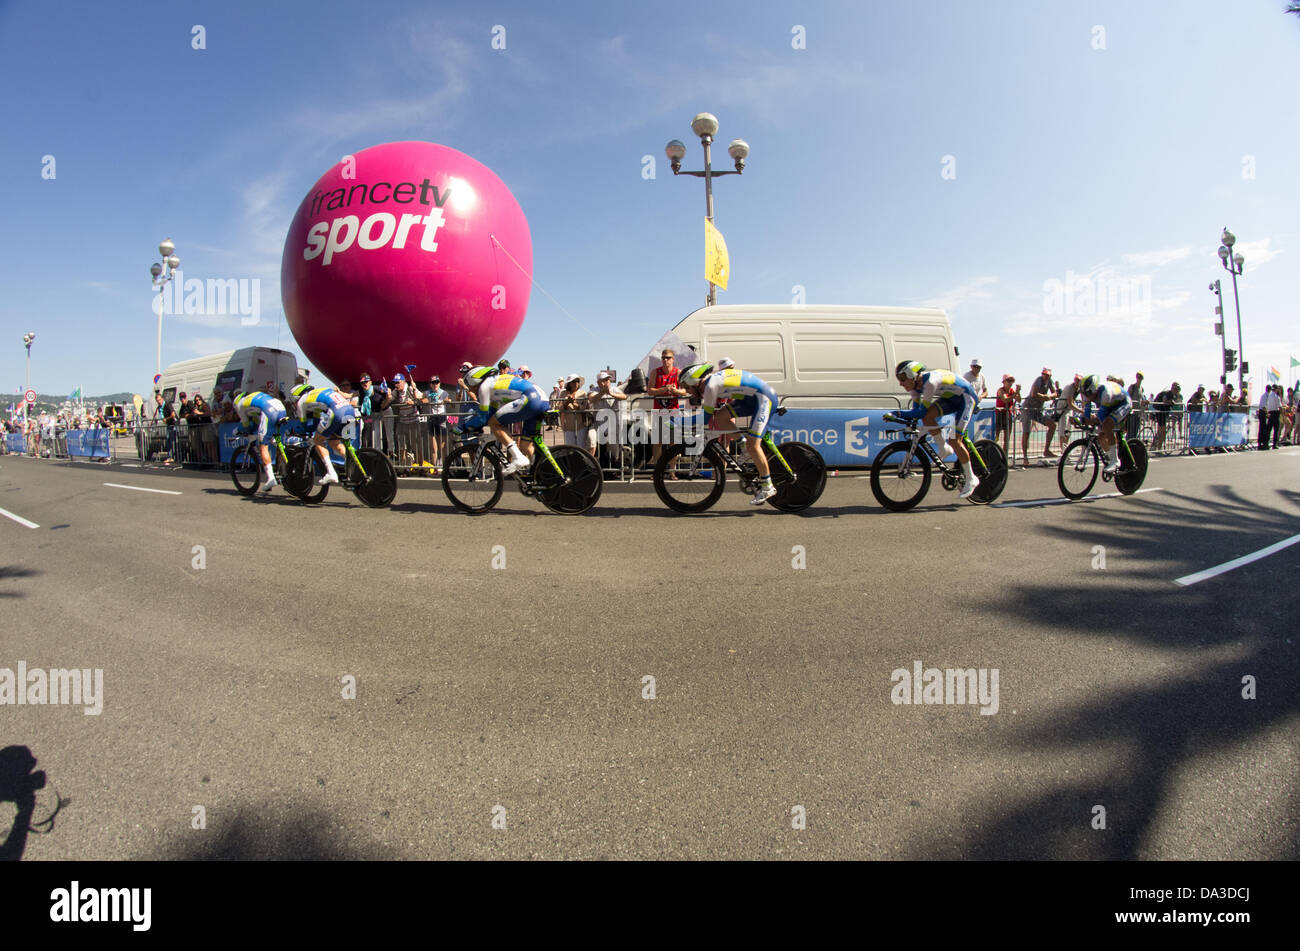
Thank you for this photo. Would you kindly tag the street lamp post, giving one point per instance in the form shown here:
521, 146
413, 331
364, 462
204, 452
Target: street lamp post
1233, 264
27, 342
705, 125
162, 273
1217, 289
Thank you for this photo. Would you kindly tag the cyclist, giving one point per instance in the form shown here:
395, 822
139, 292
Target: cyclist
1113, 405
941, 399
504, 398
336, 419
261, 412
749, 396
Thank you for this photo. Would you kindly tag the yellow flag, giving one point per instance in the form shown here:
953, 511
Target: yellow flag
717, 266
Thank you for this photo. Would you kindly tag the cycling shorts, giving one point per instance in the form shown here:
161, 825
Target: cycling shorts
527, 409
758, 407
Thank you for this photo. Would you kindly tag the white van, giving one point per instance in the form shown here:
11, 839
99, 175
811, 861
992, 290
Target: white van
250, 368
832, 365
832, 356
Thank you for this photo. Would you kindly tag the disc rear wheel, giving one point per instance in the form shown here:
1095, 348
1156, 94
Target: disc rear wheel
580, 487
1130, 477
379, 487
992, 475
794, 494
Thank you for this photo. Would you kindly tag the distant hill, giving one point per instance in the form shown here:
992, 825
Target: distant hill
46, 401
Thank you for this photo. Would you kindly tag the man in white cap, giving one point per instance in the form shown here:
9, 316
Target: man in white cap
975, 377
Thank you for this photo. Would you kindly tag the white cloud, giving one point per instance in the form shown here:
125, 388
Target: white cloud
1256, 253
975, 289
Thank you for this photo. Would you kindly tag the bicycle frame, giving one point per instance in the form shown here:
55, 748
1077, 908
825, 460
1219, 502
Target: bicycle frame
919, 440
490, 445
734, 466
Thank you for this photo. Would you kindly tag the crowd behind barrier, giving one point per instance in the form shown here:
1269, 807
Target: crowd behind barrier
622, 424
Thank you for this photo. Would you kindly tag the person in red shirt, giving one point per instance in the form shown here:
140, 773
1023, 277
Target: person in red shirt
663, 386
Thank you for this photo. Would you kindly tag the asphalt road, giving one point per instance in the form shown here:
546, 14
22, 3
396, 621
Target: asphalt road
504, 711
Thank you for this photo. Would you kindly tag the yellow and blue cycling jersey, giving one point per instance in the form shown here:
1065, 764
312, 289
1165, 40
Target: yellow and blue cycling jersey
259, 411
750, 397
1112, 401
510, 399
333, 411
954, 395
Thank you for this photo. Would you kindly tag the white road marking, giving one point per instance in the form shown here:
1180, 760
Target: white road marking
18, 518
1086, 498
1236, 562
140, 488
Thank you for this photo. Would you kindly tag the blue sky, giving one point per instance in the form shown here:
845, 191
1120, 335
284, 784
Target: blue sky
1118, 165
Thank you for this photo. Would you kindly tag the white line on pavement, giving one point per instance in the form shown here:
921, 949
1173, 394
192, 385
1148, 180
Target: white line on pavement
1086, 498
18, 518
1186, 580
139, 488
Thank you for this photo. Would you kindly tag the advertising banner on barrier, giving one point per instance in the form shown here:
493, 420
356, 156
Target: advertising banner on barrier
1216, 429
852, 437
15, 442
87, 443
844, 437
227, 441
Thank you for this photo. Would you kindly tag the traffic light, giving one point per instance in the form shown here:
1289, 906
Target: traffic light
1229, 361
1245, 366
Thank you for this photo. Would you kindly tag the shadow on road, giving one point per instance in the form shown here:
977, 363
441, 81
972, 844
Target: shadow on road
1156, 733
11, 573
20, 780
253, 833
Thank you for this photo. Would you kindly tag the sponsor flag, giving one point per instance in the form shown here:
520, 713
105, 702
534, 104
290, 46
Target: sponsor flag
75, 394
717, 266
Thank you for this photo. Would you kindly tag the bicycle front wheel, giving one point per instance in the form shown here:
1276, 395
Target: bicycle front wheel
585, 480
300, 475
1130, 477
472, 484
896, 486
1077, 470
992, 475
688, 483
246, 470
794, 494
379, 487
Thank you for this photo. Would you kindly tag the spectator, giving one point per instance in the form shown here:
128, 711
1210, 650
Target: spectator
1003, 402
663, 386
1196, 403
605, 400
1288, 416
1069, 397
372, 404
557, 391
207, 431
575, 420
406, 405
526, 373
975, 378
1138, 398
437, 410
1225, 399
346, 389
1042, 389
1160, 414
1272, 406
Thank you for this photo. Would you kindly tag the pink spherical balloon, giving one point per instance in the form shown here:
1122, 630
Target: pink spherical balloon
403, 255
